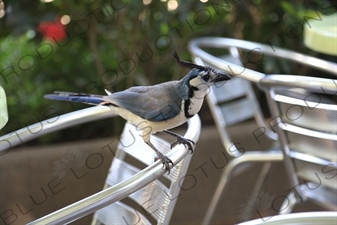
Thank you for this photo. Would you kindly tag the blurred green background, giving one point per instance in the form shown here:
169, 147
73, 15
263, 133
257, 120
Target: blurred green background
88, 46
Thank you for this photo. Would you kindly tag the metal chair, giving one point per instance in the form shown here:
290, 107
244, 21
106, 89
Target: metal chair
236, 102
142, 185
306, 218
306, 122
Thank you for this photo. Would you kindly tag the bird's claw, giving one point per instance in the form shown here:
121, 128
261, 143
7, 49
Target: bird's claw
186, 142
167, 162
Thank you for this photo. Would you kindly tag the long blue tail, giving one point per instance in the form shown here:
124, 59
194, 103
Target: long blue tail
75, 97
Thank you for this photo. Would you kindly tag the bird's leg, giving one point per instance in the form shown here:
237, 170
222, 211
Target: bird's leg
165, 160
181, 140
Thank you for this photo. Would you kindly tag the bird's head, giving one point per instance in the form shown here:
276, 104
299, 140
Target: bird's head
200, 76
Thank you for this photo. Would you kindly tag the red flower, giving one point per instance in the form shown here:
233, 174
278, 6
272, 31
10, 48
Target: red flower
52, 30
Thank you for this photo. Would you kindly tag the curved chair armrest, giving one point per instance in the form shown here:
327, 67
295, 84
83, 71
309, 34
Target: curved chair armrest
194, 47
297, 218
314, 84
123, 189
53, 124
251, 75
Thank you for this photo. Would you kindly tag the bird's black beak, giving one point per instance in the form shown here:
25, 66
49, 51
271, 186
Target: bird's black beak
220, 77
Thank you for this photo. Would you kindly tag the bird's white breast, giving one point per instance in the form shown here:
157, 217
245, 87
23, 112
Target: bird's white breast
195, 105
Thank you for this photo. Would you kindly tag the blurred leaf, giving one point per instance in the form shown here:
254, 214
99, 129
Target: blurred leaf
289, 8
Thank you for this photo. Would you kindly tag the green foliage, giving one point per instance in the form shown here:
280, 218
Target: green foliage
116, 44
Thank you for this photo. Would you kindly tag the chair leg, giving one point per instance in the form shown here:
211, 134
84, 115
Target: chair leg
288, 204
225, 176
258, 184
216, 197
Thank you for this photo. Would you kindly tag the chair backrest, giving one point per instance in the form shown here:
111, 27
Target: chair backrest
152, 204
304, 113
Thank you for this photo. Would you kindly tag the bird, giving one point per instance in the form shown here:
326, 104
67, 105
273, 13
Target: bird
159, 107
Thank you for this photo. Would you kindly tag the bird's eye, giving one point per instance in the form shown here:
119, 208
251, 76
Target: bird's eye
206, 77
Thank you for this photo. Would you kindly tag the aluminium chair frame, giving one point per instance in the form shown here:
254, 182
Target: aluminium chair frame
201, 56
107, 196
302, 192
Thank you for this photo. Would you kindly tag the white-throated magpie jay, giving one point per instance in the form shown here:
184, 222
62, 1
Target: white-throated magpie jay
159, 107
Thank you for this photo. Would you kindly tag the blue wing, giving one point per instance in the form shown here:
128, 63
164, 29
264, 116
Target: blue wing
155, 103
